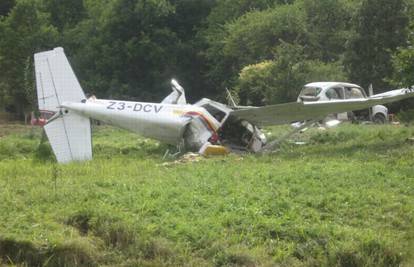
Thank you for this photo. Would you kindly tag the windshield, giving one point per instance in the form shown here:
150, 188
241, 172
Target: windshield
310, 91
215, 112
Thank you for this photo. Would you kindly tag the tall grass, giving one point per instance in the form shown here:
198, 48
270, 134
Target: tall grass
344, 199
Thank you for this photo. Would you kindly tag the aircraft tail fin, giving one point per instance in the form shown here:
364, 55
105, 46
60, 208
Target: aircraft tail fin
68, 132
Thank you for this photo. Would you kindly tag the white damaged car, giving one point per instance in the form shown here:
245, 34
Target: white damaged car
326, 91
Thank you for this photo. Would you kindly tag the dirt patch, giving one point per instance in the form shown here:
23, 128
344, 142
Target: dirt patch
7, 117
16, 128
186, 158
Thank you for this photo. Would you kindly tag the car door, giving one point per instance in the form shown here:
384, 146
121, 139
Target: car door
334, 93
353, 92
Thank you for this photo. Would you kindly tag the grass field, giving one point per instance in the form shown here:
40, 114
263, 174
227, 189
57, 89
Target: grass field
344, 199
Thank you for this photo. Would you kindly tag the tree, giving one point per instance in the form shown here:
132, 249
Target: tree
381, 26
132, 48
64, 13
322, 28
403, 62
250, 39
328, 28
187, 20
6, 6
403, 76
125, 48
280, 80
26, 30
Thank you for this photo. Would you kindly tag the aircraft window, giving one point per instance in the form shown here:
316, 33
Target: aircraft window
215, 112
334, 93
310, 91
353, 93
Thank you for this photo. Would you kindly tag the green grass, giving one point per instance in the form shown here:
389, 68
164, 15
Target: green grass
344, 199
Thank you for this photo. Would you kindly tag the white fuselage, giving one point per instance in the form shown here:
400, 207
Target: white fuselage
163, 122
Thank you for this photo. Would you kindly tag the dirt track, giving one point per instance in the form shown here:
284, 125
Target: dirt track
13, 127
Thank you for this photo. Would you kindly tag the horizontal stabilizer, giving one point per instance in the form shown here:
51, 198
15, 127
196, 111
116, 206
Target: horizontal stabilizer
70, 137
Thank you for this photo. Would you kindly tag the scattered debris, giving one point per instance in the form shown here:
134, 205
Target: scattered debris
300, 143
213, 150
188, 157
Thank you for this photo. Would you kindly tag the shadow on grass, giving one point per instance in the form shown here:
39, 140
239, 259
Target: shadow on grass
73, 253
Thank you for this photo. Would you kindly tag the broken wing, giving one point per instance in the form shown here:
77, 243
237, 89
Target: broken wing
300, 111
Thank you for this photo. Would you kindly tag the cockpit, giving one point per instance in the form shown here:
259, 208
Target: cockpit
217, 110
233, 132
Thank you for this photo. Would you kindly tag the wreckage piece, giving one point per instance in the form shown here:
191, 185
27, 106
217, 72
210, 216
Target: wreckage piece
204, 126
300, 126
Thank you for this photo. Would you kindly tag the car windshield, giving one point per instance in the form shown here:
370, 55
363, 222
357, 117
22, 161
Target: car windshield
310, 91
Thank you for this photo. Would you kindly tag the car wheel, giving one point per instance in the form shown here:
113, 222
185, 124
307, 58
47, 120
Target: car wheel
352, 117
379, 118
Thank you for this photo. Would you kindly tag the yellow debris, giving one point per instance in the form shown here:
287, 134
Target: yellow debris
214, 150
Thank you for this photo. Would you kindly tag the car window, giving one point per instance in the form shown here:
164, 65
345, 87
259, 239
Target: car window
353, 93
334, 93
310, 91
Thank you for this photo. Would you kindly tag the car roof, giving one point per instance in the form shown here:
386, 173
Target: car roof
324, 85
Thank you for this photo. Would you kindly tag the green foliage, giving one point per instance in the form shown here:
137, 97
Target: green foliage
380, 28
133, 54
406, 115
252, 38
345, 199
132, 48
253, 83
6, 6
64, 13
27, 31
219, 71
403, 62
321, 27
282, 79
328, 28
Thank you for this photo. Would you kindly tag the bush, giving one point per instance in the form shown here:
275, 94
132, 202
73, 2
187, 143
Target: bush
406, 115
280, 80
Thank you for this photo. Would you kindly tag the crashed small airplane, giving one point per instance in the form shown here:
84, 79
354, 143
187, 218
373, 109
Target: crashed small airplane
191, 127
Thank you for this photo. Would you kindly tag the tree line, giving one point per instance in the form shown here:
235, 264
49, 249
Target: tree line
264, 51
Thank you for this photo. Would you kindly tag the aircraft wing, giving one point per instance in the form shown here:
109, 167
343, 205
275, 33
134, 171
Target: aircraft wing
300, 111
